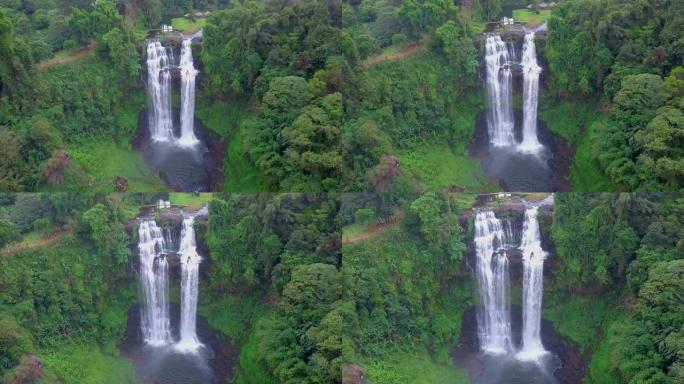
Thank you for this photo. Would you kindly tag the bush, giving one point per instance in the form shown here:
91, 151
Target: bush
365, 216
69, 44
399, 39
41, 224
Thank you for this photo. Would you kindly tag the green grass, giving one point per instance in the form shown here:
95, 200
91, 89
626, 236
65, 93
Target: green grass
236, 322
586, 174
532, 19
462, 201
250, 370
605, 359
191, 201
103, 161
411, 367
86, 364
231, 121
235, 317
186, 25
568, 119
437, 167
581, 318
354, 229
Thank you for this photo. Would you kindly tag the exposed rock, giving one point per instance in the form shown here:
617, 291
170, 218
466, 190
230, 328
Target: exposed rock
353, 374
121, 184
29, 371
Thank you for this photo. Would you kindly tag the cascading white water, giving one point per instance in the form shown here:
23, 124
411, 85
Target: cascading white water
533, 265
500, 121
155, 321
531, 71
190, 261
159, 91
494, 323
160, 60
188, 74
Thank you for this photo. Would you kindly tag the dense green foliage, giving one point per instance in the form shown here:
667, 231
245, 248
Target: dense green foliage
629, 248
290, 57
621, 51
66, 301
394, 105
49, 109
288, 246
407, 286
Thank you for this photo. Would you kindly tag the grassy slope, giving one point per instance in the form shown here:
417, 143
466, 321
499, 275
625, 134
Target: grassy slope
186, 25
189, 200
231, 122
104, 161
531, 18
415, 367
87, 364
586, 174
438, 167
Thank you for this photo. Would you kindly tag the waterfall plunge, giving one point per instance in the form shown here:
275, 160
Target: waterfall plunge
499, 58
190, 261
159, 64
531, 71
188, 73
500, 120
154, 272
494, 323
533, 264
159, 90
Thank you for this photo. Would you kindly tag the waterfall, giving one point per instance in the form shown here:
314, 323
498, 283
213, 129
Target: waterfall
159, 91
190, 261
160, 61
500, 121
154, 271
494, 323
188, 73
531, 72
533, 265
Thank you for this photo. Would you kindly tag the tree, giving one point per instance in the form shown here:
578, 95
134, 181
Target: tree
121, 52
153, 12
107, 234
459, 49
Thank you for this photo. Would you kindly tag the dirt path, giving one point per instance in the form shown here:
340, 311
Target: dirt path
77, 54
54, 237
375, 230
404, 52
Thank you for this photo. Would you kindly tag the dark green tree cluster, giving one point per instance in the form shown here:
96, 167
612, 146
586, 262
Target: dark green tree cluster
621, 52
290, 57
626, 245
594, 44
288, 246
642, 146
